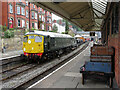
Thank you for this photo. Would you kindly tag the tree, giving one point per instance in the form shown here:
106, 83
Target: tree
79, 29
66, 26
55, 28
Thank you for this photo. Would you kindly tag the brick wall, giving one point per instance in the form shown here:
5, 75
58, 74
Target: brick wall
1, 13
113, 41
4, 14
113, 38
119, 47
7, 16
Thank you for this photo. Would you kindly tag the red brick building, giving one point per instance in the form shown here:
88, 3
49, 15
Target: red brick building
25, 15
111, 33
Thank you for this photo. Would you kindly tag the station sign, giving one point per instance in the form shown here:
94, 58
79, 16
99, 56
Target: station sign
92, 33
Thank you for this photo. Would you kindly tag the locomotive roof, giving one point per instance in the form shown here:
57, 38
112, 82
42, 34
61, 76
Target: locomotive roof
51, 34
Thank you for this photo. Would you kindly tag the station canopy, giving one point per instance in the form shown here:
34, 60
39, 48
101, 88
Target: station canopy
87, 14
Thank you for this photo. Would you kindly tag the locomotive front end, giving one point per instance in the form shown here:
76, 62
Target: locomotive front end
33, 47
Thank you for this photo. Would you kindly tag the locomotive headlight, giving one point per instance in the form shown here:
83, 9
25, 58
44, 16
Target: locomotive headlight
32, 48
24, 49
29, 42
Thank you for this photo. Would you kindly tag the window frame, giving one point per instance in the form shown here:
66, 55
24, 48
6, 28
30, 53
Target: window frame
32, 25
11, 8
23, 11
26, 3
18, 9
19, 23
24, 39
33, 6
33, 16
27, 13
36, 25
31, 36
41, 38
22, 23
28, 25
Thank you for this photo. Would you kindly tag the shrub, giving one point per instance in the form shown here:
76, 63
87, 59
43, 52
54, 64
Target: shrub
8, 34
12, 29
63, 32
4, 28
66, 32
33, 29
12, 33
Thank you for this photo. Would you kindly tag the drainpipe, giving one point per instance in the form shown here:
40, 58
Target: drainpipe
7, 14
37, 18
29, 16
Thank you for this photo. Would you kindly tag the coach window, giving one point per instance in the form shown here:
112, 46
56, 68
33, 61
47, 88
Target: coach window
38, 39
25, 38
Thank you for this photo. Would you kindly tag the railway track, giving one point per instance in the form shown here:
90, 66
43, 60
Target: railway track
10, 60
9, 68
29, 72
9, 74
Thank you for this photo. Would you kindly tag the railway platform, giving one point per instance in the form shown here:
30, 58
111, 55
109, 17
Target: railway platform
11, 54
68, 76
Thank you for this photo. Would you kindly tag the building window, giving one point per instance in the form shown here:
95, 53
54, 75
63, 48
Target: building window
32, 15
43, 19
48, 13
36, 26
27, 13
40, 17
42, 26
27, 23
32, 25
26, 3
47, 20
18, 10
11, 8
33, 6
48, 28
40, 9
23, 11
50, 20
44, 11
18, 22
23, 23
35, 15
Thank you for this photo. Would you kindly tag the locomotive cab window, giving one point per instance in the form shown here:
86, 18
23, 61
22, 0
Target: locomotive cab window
31, 37
38, 39
25, 38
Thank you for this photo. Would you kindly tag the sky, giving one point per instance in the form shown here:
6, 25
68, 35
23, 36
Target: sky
55, 17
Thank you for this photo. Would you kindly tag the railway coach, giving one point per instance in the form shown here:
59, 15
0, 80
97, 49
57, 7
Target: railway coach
41, 45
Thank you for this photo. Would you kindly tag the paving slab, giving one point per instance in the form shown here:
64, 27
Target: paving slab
11, 54
68, 75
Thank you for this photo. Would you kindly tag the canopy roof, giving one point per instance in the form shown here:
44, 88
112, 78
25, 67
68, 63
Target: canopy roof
78, 36
87, 15
51, 34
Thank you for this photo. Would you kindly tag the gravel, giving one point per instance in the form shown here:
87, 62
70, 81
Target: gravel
21, 79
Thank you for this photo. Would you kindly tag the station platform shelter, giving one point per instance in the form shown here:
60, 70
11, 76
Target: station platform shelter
96, 15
